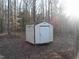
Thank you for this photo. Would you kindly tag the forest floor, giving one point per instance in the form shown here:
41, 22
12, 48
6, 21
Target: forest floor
15, 47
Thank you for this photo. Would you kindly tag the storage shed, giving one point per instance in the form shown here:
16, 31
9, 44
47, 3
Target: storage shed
43, 33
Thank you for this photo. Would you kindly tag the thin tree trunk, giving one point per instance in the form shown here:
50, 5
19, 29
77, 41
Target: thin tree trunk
34, 14
8, 17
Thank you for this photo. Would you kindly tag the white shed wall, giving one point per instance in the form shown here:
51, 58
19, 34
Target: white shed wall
30, 33
37, 37
37, 32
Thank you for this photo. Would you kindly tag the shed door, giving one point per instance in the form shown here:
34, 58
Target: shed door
44, 34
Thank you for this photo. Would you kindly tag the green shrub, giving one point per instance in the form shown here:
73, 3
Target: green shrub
22, 23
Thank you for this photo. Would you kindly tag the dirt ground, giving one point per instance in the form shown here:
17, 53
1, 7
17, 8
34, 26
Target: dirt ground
15, 47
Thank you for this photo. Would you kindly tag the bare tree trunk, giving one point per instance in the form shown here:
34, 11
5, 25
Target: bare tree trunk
14, 15
42, 1
8, 17
1, 15
34, 14
49, 2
